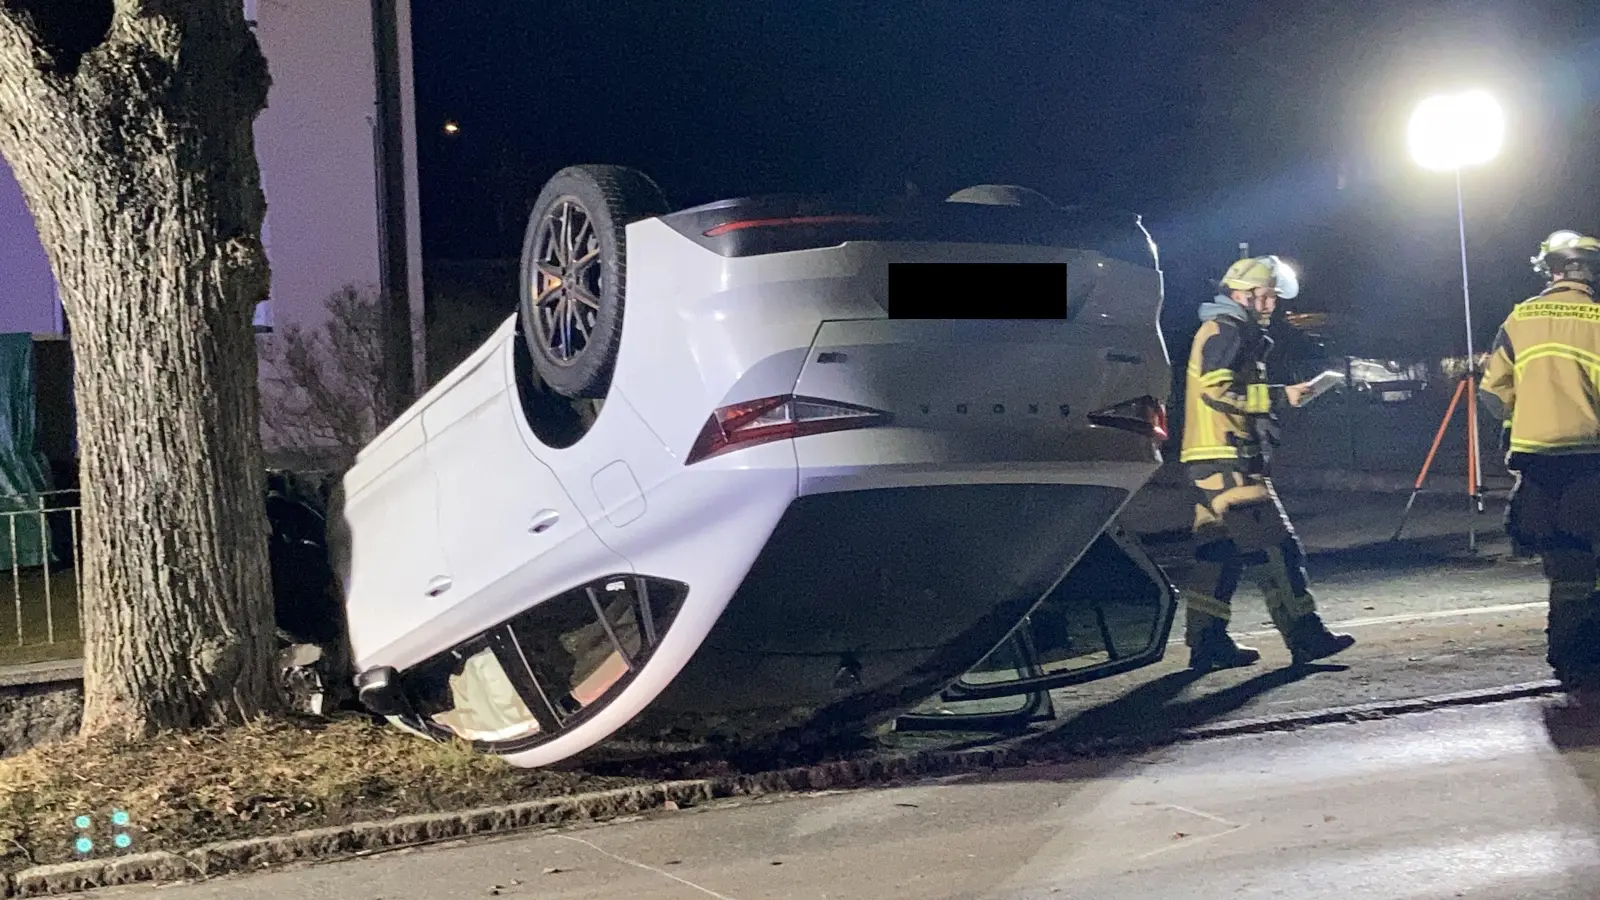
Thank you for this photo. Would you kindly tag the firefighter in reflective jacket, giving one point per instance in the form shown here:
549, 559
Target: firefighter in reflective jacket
1543, 382
1240, 527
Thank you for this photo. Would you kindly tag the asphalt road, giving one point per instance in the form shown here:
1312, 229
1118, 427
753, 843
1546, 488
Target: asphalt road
1485, 802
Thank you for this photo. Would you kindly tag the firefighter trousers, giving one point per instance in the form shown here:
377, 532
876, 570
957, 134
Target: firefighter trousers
1242, 531
1555, 510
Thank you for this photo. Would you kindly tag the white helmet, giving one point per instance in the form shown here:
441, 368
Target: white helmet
1263, 272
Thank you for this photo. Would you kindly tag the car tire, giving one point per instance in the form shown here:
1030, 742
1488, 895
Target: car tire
574, 273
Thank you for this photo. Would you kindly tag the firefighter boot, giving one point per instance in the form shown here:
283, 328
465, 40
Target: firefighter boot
1310, 640
1573, 640
1211, 647
1574, 644
1208, 604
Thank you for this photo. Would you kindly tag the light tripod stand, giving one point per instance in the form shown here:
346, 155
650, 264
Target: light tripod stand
1447, 133
1466, 389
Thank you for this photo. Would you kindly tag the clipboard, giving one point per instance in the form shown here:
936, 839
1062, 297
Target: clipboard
1322, 384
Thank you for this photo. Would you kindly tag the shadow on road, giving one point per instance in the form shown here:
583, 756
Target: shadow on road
1155, 708
1571, 728
1575, 733
1407, 555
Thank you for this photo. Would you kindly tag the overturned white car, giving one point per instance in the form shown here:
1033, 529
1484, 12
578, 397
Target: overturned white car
766, 465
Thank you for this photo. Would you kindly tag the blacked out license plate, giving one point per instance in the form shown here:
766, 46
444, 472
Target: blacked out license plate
977, 290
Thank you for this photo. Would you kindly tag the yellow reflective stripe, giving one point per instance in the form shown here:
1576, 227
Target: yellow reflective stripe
1207, 604
1203, 454
1258, 398
1576, 445
1560, 351
1217, 378
1557, 309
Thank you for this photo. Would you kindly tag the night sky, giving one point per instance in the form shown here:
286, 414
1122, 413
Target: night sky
1219, 121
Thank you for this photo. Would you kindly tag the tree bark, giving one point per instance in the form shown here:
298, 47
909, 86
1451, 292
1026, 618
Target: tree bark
134, 150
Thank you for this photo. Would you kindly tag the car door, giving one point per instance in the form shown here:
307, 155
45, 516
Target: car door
1111, 614
511, 535
385, 541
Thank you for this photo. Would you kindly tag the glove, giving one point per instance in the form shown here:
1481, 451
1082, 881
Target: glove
1269, 431
1268, 436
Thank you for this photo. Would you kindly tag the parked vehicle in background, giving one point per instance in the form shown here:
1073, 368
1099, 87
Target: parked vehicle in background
1383, 381
1388, 381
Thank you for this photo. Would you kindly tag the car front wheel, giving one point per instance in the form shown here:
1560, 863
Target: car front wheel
574, 273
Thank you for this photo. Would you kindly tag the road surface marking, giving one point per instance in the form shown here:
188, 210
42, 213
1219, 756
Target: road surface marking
1232, 827
1399, 618
639, 865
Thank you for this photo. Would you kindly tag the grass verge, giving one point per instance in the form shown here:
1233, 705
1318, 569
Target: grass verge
38, 625
184, 790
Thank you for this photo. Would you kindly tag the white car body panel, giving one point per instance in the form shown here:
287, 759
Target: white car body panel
395, 546
452, 491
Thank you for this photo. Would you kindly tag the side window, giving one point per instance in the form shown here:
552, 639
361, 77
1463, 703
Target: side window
548, 668
483, 703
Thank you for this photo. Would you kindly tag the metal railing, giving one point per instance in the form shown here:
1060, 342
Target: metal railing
43, 539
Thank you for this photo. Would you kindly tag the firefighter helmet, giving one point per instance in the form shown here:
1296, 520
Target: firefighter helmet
1262, 272
1564, 248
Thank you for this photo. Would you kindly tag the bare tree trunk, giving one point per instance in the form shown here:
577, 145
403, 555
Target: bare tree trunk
128, 125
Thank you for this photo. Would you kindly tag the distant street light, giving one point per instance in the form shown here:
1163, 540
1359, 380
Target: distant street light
1449, 132
452, 128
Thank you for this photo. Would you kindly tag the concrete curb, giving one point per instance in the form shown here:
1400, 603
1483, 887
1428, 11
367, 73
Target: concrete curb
1382, 709
325, 844
42, 673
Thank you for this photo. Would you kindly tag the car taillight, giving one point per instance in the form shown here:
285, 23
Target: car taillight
794, 221
775, 418
1145, 415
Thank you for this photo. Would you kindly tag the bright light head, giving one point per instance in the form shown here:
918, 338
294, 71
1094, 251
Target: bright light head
1452, 131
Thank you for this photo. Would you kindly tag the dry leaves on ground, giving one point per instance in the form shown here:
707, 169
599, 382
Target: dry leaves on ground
182, 790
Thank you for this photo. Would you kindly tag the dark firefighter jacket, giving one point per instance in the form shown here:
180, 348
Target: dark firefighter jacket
1543, 378
1228, 400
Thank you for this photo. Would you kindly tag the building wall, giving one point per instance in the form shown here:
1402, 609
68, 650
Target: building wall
317, 156
27, 289
315, 146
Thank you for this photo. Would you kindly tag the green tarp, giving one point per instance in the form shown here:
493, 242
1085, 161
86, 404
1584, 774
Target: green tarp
24, 474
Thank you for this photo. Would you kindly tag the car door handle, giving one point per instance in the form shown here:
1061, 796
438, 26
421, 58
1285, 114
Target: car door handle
542, 521
439, 585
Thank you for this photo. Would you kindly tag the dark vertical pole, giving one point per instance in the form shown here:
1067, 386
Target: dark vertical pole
394, 275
